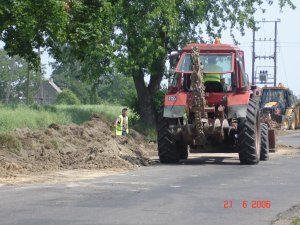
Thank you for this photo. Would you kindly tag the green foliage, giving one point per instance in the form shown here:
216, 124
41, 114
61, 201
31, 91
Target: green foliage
133, 36
120, 90
67, 97
67, 76
13, 82
148, 131
28, 25
296, 221
36, 117
89, 34
159, 98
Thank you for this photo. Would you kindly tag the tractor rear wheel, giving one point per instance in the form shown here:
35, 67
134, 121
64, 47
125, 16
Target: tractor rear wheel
167, 147
264, 147
249, 135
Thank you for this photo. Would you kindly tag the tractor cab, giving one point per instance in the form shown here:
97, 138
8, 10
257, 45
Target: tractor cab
276, 96
225, 80
219, 65
277, 106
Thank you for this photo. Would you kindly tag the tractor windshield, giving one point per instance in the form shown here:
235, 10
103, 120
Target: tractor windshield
213, 63
272, 95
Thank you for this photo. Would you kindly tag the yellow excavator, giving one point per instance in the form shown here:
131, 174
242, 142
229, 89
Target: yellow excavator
278, 108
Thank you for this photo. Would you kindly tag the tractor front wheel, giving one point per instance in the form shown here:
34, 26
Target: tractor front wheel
249, 135
167, 146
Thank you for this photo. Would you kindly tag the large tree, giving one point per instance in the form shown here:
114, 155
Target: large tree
134, 36
151, 29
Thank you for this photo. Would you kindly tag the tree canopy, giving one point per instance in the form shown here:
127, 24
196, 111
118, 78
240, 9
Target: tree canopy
13, 79
132, 36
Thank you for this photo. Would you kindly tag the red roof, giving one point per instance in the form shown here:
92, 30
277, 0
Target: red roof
212, 47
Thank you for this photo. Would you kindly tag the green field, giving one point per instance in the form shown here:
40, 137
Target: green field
296, 222
35, 117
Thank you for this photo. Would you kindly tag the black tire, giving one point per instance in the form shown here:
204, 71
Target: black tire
249, 135
182, 150
264, 145
292, 121
167, 146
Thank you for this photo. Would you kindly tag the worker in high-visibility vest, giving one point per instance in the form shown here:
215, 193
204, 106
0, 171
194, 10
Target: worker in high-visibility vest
212, 81
121, 124
212, 66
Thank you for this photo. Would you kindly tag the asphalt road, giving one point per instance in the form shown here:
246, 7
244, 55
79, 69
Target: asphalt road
192, 192
291, 140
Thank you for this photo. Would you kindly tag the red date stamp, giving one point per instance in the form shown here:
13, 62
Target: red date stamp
254, 204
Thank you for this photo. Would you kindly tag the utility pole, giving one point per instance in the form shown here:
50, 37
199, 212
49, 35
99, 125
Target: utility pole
275, 54
253, 59
264, 76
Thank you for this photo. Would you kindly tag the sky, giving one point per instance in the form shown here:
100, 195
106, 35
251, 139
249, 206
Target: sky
288, 51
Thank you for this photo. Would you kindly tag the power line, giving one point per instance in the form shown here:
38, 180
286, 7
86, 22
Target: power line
291, 46
264, 75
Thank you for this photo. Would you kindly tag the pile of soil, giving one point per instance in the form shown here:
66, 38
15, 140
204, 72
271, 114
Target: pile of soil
91, 145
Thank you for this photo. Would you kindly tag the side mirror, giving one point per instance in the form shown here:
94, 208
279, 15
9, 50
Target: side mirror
173, 58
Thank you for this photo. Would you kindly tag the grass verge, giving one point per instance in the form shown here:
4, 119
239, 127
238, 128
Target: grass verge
296, 222
36, 117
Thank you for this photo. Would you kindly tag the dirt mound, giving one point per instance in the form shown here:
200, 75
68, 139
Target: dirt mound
91, 145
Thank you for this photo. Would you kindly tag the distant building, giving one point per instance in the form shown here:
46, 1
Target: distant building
47, 93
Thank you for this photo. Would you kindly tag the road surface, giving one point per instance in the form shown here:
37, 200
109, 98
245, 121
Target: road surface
290, 140
192, 192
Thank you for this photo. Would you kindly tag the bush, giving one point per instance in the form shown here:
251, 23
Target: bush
67, 97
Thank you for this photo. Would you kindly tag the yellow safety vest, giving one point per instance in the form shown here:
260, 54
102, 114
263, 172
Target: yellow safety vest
119, 126
212, 77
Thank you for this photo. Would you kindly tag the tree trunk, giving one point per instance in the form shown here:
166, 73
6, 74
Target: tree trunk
11, 75
145, 96
8, 90
94, 94
28, 84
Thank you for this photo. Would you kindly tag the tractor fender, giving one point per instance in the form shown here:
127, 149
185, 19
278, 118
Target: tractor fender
175, 104
237, 105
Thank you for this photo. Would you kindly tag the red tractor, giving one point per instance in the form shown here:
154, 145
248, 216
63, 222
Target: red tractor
200, 112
